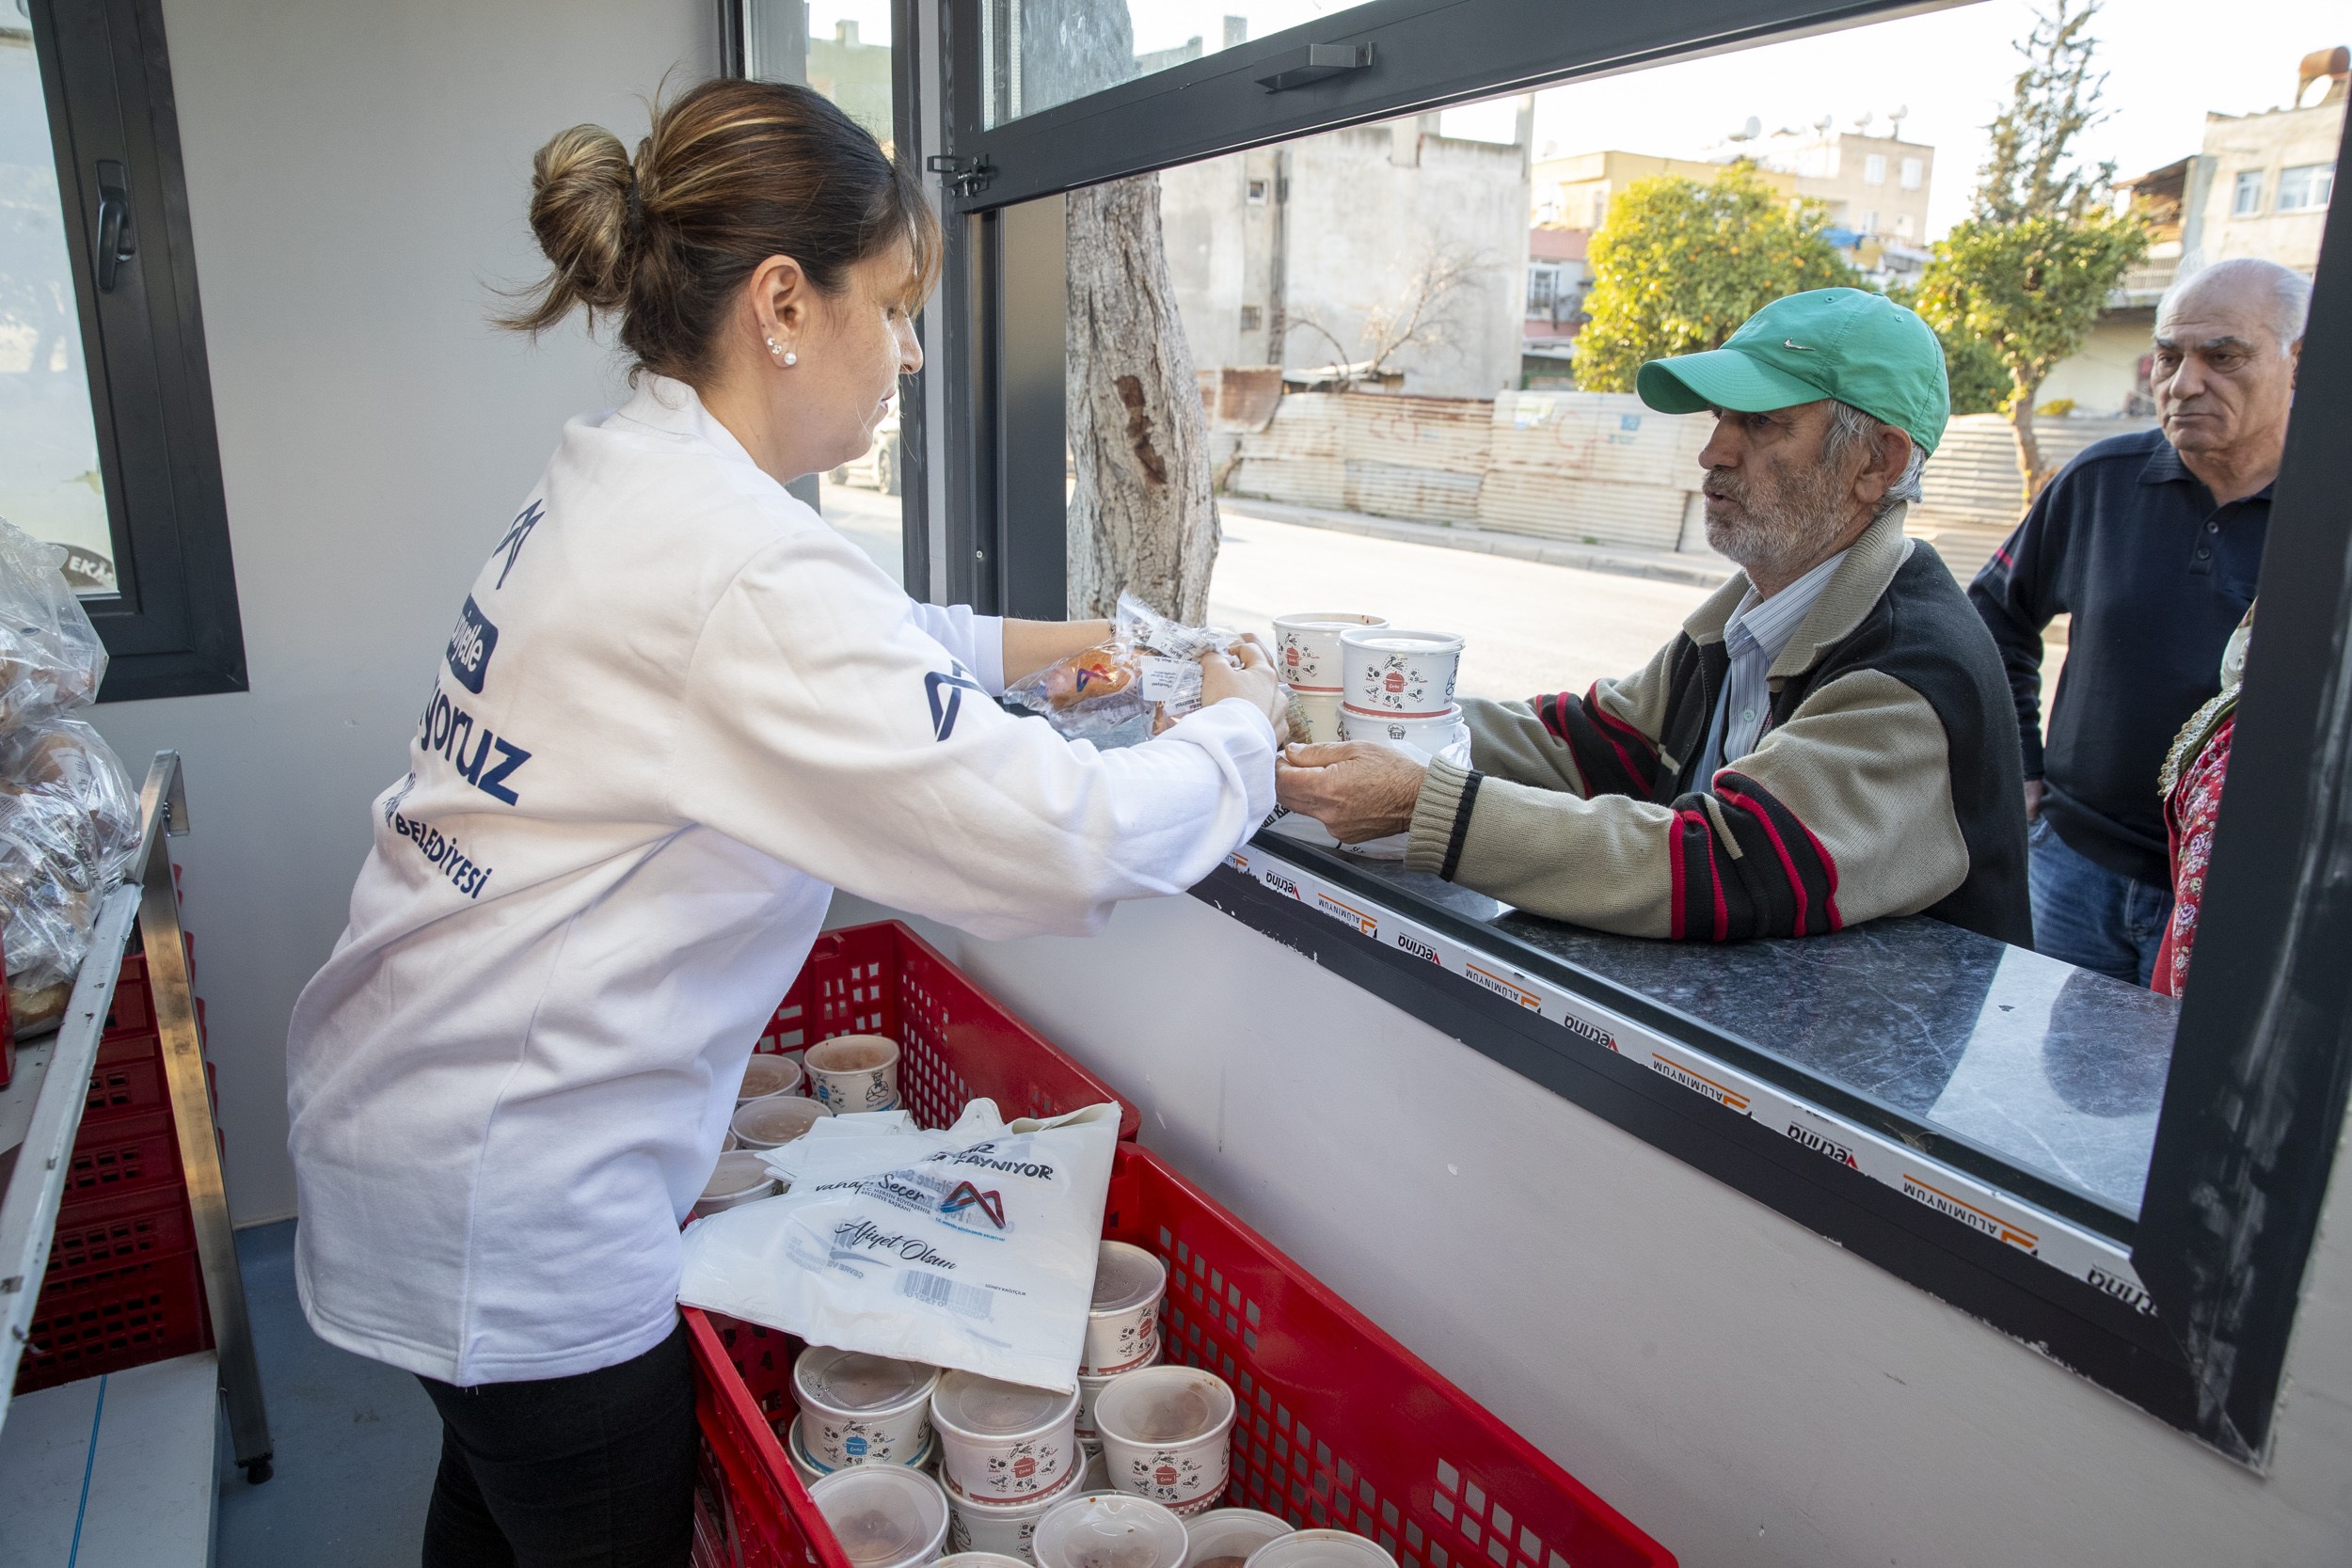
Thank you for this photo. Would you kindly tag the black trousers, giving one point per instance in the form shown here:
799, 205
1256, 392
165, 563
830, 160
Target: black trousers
591, 1471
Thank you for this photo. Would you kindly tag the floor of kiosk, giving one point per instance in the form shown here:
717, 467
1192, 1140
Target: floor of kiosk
356, 1441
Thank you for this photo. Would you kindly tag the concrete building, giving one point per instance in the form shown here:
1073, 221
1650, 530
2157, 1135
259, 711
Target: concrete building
2259, 186
1574, 192
1558, 276
1874, 187
1296, 255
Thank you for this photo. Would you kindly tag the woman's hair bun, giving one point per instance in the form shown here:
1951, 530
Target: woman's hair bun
581, 185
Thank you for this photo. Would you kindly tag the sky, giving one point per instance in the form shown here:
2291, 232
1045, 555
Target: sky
2169, 61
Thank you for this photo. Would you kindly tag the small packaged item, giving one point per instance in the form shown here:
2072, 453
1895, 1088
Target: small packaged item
1120, 690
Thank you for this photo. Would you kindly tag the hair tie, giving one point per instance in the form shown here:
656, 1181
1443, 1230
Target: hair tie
636, 207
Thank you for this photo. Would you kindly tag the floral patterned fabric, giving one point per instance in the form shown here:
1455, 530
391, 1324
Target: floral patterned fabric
2189, 812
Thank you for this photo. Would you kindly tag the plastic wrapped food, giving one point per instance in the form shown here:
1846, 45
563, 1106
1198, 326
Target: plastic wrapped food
68, 828
1149, 670
51, 658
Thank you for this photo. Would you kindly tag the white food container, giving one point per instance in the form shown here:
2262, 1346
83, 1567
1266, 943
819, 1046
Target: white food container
980, 1559
1411, 673
1164, 1431
1090, 1389
1320, 710
1306, 648
1432, 736
854, 1072
739, 1178
884, 1515
1008, 1529
795, 1440
768, 1073
1233, 1532
1110, 1530
1000, 1441
858, 1409
1123, 1322
774, 1121
1320, 1548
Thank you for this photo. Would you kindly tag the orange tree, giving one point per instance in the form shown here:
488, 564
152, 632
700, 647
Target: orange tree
1679, 265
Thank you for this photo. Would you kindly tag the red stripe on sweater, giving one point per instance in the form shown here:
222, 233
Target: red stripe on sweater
1673, 866
1836, 921
1787, 862
1603, 722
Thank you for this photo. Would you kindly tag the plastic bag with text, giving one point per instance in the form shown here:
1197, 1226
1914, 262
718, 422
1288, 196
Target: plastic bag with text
972, 1247
51, 658
1150, 667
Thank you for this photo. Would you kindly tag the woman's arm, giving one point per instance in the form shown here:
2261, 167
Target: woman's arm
1032, 646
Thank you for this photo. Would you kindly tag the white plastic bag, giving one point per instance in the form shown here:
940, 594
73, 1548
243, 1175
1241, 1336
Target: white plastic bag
972, 1247
50, 659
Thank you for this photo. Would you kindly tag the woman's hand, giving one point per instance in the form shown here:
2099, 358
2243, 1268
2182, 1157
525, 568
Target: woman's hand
1356, 789
1246, 673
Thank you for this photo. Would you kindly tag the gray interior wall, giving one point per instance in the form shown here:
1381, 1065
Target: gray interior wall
1746, 1391
357, 177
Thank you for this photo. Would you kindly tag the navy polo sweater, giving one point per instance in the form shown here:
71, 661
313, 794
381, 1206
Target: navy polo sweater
2129, 543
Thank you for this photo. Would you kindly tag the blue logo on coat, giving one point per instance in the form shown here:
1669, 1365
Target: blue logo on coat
470, 646
947, 694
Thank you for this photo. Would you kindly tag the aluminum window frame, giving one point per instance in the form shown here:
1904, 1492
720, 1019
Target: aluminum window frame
173, 628
2265, 1035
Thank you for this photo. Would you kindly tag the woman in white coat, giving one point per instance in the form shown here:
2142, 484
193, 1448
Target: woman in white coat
675, 712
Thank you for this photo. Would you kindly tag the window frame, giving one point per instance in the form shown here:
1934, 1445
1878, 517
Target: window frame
173, 626
2230, 1212
2319, 191
2249, 183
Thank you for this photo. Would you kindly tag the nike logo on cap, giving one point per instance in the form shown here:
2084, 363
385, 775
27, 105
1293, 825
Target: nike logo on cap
1791, 342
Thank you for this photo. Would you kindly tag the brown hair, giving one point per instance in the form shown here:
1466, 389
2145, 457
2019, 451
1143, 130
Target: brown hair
735, 173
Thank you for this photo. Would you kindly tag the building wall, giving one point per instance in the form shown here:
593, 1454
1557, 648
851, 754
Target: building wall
1744, 1390
356, 182
1574, 192
1366, 208
1836, 174
2104, 376
2263, 143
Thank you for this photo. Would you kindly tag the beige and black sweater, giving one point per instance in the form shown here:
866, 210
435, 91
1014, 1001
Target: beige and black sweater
1887, 781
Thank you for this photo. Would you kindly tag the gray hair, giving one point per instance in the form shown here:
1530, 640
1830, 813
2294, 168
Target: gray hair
1849, 428
2289, 293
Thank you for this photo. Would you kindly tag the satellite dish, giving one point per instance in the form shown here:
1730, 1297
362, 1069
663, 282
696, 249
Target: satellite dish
1825, 123
1862, 121
1751, 130
1895, 115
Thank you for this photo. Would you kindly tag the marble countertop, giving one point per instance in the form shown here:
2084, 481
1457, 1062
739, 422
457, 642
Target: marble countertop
2038, 1065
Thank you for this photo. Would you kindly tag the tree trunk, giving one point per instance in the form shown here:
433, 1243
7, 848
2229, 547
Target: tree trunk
1142, 513
2030, 468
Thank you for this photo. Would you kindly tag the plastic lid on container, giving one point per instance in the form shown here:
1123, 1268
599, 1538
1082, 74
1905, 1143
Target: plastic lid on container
1126, 1277
768, 1073
980, 1559
882, 1514
852, 1382
1320, 1548
1116, 1531
738, 1171
852, 1053
1225, 1537
1156, 1405
980, 1406
776, 1120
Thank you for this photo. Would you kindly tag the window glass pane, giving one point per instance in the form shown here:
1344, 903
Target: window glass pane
2305, 187
2250, 194
49, 478
841, 48
1043, 53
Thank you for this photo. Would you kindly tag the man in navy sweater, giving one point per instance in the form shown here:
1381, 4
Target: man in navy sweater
2151, 543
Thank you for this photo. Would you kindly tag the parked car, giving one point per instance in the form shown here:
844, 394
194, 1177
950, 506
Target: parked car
879, 469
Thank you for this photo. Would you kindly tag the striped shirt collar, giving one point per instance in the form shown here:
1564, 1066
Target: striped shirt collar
1769, 624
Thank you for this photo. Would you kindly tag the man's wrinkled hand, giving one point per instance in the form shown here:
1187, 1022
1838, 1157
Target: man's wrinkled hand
1357, 791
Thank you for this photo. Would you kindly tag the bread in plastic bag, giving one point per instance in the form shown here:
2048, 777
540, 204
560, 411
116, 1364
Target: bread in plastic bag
68, 828
972, 1247
51, 658
1148, 670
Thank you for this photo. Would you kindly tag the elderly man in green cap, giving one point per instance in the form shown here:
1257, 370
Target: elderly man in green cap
1831, 737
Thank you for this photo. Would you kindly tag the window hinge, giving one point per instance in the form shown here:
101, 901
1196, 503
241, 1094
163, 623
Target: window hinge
1317, 62
965, 176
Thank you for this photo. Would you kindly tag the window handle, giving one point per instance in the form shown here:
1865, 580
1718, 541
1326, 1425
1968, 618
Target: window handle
116, 241
1315, 63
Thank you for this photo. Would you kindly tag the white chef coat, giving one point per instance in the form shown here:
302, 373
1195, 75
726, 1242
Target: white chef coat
676, 711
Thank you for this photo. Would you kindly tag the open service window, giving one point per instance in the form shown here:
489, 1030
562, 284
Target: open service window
1369, 283
107, 446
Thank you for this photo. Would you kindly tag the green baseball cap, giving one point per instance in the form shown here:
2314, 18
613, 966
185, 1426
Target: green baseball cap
1845, 343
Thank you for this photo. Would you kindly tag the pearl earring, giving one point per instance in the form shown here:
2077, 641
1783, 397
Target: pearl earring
791, 358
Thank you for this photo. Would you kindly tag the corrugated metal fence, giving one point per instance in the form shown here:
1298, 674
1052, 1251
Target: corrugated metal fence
1589, 467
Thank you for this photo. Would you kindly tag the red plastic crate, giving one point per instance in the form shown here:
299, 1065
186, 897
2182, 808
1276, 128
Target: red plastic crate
956, 1042
113, 1318
131, 1153
1341, 1427
109, 1232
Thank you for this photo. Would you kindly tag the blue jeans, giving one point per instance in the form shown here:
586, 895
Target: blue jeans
2089, 917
